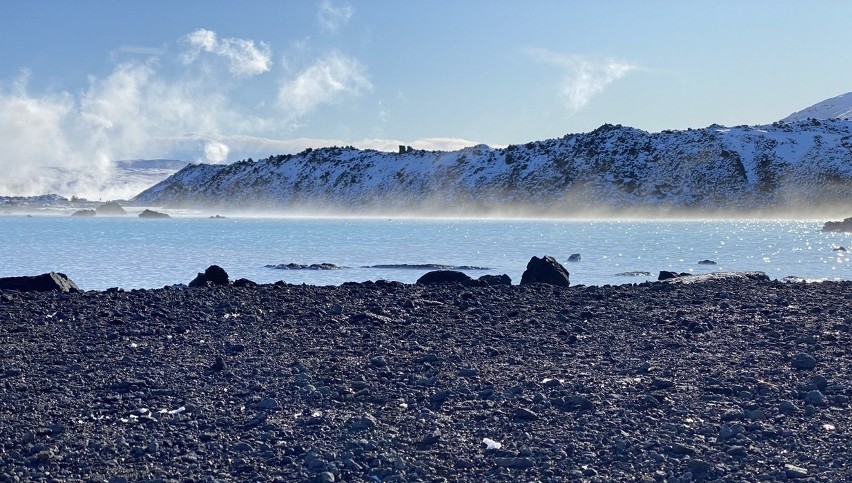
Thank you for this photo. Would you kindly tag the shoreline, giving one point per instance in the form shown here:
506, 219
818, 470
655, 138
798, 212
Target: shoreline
728, 379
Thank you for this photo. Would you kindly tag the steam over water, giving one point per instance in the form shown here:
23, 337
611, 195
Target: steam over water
98, 253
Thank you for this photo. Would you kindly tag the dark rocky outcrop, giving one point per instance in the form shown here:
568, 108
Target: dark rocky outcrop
445, 276
574, 257
110, 208
213, 275
300, 266
84, 213
151, 214
45, 282
545, 270
841, 226
495, 280
244, 282
666, 275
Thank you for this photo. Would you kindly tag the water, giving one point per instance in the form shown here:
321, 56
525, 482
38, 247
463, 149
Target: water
98, 253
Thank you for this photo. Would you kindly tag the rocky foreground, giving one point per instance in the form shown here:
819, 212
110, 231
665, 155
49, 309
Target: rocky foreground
727, 379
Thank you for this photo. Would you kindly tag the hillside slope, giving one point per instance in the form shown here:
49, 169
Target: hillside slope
799, 164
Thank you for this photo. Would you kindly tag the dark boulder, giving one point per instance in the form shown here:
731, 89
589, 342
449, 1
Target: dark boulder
495, 280
214, 275
575, 257
244, 282
445, 276
842, 226
153, 214
545, 270
706, 262
84, 213
664, 275
110, 208
39, 283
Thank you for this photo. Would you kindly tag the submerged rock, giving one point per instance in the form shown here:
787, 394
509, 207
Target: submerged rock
45, 282
707, 262
575, 257
545, 270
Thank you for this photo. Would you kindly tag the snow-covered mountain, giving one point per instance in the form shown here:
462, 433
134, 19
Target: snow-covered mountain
797, 164
839, 107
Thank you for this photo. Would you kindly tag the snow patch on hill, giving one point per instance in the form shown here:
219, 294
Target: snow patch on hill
839, 107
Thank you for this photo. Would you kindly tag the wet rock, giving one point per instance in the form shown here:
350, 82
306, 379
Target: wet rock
707, 262
574, 257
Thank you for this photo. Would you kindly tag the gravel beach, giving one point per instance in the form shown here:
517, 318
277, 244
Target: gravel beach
725, 379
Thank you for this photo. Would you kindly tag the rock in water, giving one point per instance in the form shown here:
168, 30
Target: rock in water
574, 257
153, 214
444, 276
110, 208
40, 283
84, 213
842, 226
545, 270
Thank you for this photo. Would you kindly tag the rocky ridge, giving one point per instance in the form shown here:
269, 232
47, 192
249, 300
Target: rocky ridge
727, 378
805, 163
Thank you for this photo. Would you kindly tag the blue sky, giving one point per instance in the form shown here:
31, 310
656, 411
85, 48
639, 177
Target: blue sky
88, 82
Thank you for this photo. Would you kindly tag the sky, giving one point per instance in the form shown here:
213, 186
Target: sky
89, 82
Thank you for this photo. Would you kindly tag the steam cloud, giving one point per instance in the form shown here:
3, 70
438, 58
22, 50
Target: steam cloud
323, 82
246, 59
582, 77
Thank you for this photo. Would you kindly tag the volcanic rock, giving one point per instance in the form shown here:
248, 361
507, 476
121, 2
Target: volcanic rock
495, 280
545, 270
110, 208
151, 214
40, 283
445, 276
213, 275
841, 226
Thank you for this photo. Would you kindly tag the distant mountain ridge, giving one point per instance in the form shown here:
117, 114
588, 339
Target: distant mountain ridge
804, 163
839, 107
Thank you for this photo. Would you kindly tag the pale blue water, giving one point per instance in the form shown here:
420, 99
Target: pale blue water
98, 253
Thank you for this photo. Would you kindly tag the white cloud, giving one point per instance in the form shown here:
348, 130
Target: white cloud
332, 17
321, 83
582, 77
245, 58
